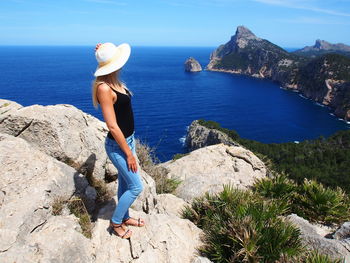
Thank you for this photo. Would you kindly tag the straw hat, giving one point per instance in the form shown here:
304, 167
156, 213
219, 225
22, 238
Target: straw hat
111, 58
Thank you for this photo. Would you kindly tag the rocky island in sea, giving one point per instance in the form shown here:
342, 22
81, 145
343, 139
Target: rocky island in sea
58, 190
323, 75
192, 65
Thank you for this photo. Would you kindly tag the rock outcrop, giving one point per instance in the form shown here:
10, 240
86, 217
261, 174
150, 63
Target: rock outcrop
314, 238
192, 65
30, 181
325, 79
208, 168
163, 239
199, 136
61, 131
35, 175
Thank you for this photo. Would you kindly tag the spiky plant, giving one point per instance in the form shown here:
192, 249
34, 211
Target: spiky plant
315, 257
279, 186
240, 226
321, 204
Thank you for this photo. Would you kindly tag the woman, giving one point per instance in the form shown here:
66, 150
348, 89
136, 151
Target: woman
115, 101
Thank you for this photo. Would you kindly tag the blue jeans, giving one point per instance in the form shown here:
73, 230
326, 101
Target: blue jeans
129, 183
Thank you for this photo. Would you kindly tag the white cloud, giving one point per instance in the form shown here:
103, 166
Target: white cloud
302, 4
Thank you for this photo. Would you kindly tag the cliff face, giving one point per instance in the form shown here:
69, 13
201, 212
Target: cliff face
248, 54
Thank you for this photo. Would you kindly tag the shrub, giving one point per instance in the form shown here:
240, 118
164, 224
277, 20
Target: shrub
310, 200
240, 226
148, 162
279, 187
315, 257
321, 204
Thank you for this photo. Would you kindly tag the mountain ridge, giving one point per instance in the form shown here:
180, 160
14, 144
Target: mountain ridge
247, 54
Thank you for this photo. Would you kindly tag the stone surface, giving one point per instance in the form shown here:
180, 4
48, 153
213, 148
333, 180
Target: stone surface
199, 136
63, 132
170, 204
30, 180
164, 238
208, 168
201, 260
8, 106
71, 136
312, 238
343, 232
192, 65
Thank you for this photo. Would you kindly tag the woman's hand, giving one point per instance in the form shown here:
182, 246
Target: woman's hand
132, 164
97, 46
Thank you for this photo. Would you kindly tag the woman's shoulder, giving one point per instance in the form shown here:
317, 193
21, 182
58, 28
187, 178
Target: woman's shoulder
102, 86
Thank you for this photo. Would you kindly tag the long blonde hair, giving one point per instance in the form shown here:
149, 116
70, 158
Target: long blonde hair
112, 79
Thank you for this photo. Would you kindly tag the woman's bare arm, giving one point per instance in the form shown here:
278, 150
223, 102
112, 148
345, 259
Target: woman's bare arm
106, 101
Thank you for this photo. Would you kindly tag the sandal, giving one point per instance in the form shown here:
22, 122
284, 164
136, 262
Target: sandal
113, 226
140, 222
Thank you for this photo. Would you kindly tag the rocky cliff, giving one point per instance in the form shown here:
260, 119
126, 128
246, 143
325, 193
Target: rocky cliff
327, 76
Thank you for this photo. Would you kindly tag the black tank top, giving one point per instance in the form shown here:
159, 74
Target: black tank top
124, 114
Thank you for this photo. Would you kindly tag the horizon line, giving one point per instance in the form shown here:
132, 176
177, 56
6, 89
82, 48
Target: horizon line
86, 45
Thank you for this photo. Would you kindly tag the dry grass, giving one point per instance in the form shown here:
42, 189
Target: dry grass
77, 207
148, 162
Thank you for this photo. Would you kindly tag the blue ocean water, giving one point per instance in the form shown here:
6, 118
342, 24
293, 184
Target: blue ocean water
166, 99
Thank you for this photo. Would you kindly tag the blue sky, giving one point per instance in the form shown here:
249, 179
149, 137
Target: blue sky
287, 23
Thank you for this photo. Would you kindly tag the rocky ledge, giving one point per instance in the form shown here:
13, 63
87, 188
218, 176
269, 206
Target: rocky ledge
192, 65
56, 152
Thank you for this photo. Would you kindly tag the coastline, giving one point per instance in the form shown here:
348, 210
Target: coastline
293, 88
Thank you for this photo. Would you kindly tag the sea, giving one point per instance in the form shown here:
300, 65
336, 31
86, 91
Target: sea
166, 98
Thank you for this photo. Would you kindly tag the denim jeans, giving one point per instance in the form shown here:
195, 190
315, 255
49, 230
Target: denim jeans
129, 183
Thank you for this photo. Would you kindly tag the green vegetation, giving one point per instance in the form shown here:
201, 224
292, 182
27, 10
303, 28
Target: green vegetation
309, 200
312, 76
179, 155
244, 226
4, 105
326, 160
315, 257
319, 53
240, 226
148, 162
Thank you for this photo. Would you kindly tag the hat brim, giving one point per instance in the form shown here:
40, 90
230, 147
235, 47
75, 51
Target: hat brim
125, 51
